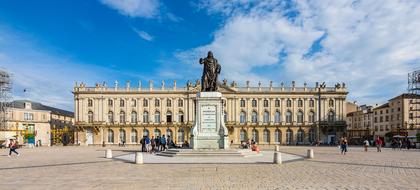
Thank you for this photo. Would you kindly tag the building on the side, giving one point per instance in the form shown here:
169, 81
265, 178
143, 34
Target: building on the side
267, 114
359, 124
33, 123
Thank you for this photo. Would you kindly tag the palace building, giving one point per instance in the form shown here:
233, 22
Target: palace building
288, 115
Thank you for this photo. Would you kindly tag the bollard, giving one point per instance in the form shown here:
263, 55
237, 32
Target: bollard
139, 158
108, 153
277, 158
277, 148
310, 153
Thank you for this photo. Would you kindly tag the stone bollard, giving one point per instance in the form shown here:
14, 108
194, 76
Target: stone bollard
108, 153
139, 158
277, 158
310, 153
277, 148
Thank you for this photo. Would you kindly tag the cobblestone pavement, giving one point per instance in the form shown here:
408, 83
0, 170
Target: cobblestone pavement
86, 168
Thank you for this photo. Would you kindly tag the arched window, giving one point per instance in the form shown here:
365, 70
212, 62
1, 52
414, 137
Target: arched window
255, 135
134, 136
145, 103
288, 117
277, 136
181, 117
331, 103
157, 117
145, 117
110, 117
156, 132
254, 117
181, 135
90, 103
266, 117
331, 116
242, 117
133, 117
121, 103
110, 102
180, 103
110, 136
122, 136
277, 117
300, 103
254, 103
225, 116
242, 135
168, 103
242, 102
289, 136
266, 135
265, 103
122, 117
311, 135
300, 136
133, 103
169, 117
277, 103
168, 133
300, 117
311, 103
157, 103
90, 117
311, 117
289, 103
145, 133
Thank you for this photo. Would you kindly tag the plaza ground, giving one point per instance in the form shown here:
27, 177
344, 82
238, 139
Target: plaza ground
86, 168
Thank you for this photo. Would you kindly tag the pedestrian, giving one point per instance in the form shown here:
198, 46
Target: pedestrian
148, 146
366, 145
163, 143
394, 144
157, 142
378, 142
400, 144
153, 143
13, 145
343, 145
143, 144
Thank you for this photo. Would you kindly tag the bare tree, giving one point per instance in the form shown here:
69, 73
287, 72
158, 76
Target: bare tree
5, 98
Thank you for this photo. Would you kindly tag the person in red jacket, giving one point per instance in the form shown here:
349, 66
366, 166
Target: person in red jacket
378, 143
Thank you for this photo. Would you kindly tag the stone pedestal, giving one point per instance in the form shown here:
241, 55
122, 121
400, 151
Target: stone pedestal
209, 130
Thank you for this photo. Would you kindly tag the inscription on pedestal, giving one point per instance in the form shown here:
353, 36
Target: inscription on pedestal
208, 119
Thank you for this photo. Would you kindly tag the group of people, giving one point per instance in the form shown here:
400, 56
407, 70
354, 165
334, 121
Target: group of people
249, 144
398, 143
156, 144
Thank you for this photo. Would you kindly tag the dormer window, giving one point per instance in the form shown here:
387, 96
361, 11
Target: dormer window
28, 105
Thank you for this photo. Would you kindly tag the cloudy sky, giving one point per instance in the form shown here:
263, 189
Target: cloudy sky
49, 45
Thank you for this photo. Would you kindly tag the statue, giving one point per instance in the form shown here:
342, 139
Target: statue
210, 72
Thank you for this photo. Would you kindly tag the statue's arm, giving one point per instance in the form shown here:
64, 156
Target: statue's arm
201, 61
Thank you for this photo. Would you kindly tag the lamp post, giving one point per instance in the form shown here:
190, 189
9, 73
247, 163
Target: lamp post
318, 127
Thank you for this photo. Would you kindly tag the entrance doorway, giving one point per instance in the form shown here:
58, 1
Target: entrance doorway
89, 136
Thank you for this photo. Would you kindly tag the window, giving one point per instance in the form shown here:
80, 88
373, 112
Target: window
300, 103
30, 116
331, 103
168, 133
266, 118
254, 117
288, 117
156, 132
300, 117
145, 103
242, 102
225, 116
145, 117
254, 103
311, 135
133, 103
110, 117
181, 117
90, 103
277, 103
110, 136
110, 102
311, 117
266, 135
121, 103
181, 135
157, 117
331, 116
300, 136
168, 117
180, 103
145, 133
289, 136
122, 117
157, 103
134, 136
90, 117
242, 134
255, 135
242, 117
133, 117
277, 136
289, 103
265, 103
168, 103
277, 117
311, 103
122, 136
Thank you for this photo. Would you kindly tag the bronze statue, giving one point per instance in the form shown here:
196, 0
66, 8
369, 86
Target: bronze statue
210, 72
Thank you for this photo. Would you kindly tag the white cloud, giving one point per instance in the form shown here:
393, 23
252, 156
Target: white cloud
370, 45
146, 36
135, 8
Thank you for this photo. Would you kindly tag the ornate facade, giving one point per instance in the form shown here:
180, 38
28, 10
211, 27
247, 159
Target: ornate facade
269, 115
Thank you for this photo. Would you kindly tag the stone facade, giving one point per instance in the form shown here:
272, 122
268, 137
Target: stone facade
360, 124
267, 114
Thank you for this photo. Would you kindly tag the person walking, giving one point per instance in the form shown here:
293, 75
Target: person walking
157, 142
378, 143
143, 145
163, 143
13, 145
343, 144
153, 143
366, 145
148, 146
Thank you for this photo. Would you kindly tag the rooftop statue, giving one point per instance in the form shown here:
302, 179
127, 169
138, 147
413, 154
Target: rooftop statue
211, 71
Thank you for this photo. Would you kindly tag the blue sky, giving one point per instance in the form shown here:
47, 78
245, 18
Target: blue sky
49, 45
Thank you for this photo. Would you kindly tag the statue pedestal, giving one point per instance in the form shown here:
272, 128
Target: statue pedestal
209, 130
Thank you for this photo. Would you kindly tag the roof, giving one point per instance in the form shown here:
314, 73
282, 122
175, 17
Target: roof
382, 106
406, 95
38, 106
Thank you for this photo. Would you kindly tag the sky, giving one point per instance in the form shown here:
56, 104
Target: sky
49, 45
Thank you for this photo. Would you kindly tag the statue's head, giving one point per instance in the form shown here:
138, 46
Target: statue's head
210, 54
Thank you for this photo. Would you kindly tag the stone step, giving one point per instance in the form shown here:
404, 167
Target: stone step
206, 153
